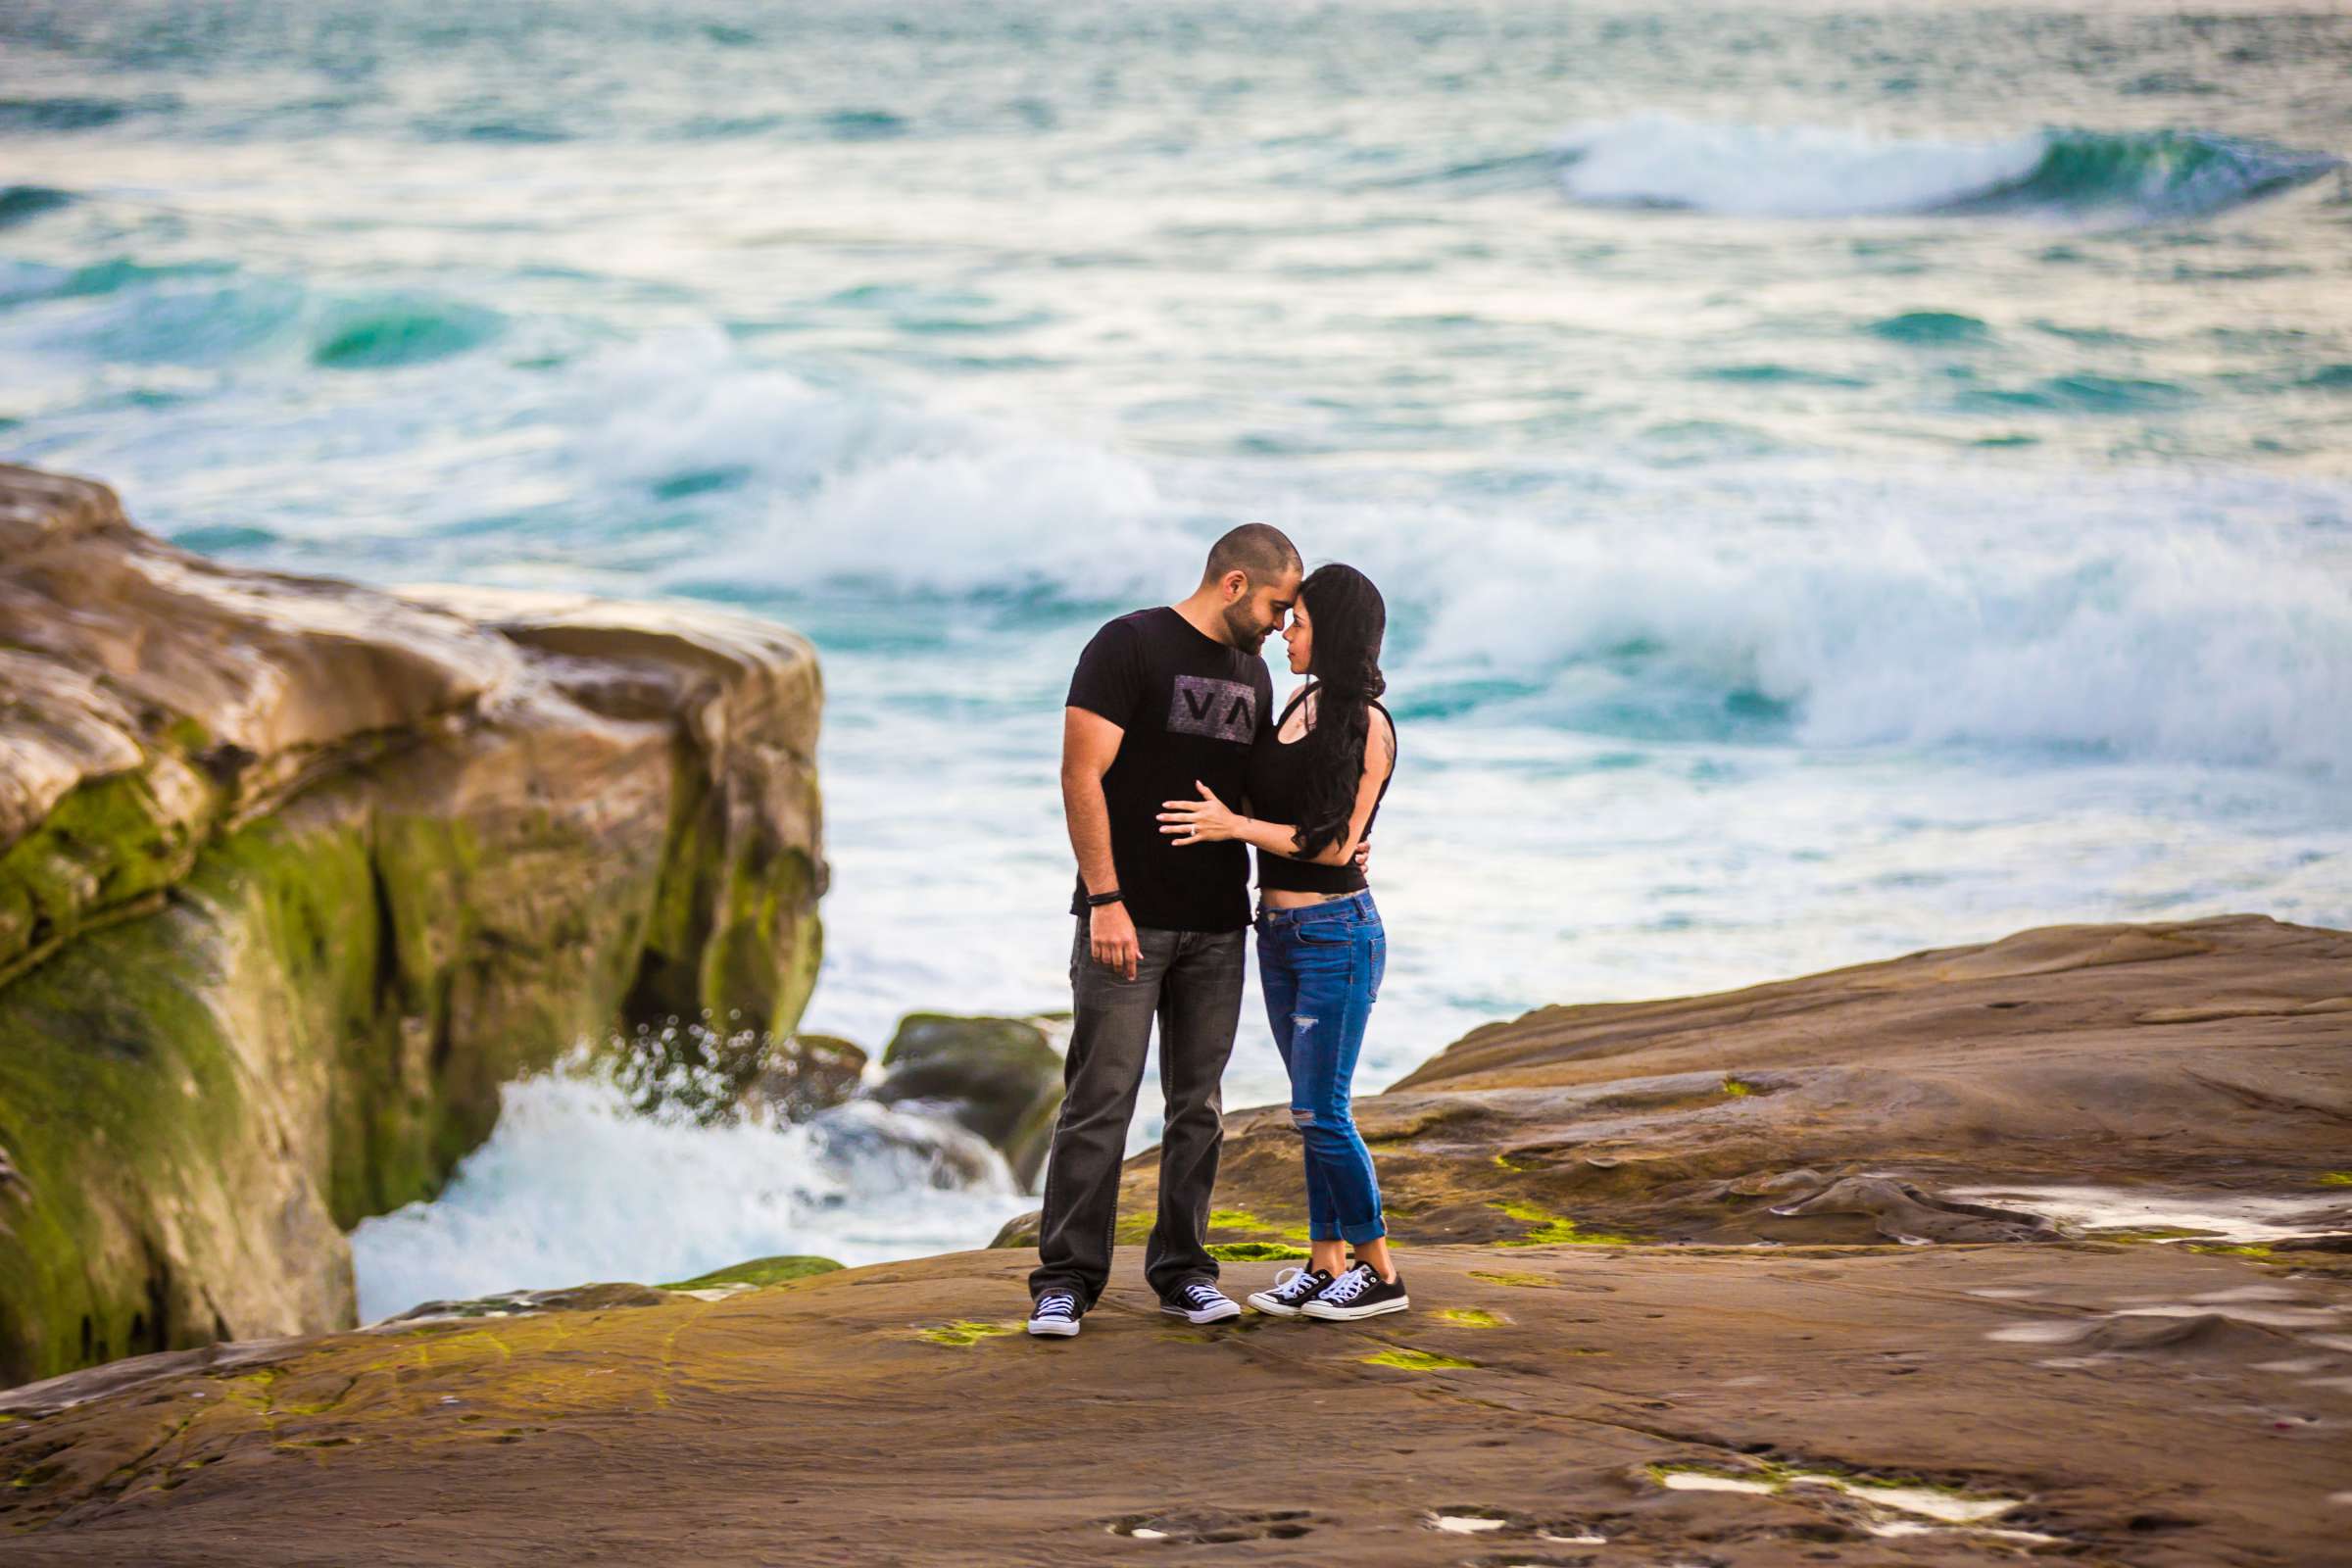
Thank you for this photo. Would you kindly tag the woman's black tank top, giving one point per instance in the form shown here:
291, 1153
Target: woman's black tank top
1278, 793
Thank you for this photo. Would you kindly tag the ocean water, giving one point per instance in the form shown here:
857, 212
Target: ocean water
1845, 479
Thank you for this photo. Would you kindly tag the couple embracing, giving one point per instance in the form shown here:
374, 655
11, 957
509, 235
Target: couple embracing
1175, 765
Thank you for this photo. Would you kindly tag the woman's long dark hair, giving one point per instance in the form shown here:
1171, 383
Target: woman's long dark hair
1348, 618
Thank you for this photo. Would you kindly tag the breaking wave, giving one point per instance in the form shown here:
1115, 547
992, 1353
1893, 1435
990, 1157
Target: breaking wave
1657, 159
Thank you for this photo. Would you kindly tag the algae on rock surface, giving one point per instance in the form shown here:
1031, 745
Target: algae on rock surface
759, 1273
295, 875
1257, 1253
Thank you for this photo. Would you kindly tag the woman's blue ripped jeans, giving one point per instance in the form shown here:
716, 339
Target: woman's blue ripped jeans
1320, 967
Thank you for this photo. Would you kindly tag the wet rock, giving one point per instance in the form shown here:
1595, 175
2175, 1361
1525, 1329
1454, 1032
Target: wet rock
510, 1303
810, 1073
2336, 1243
914, 1145
759, 1273
1031, 1140
295, 874
2205, 1336
999, 1077
1020, 1231
1905, 1214
32, 1400
1775, 1184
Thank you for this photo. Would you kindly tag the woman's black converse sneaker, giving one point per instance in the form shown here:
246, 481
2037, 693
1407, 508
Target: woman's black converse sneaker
1358, 1292
1055, 1315
1293, 1287
1199, 1301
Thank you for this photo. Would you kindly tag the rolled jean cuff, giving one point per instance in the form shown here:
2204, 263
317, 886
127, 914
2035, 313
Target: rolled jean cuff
1370, 1230
1325, 1232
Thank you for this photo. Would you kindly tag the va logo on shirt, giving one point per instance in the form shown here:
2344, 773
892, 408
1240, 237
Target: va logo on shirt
1221, 710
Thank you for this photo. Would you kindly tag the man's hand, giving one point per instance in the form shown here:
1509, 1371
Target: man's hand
1111, 937
1363, 857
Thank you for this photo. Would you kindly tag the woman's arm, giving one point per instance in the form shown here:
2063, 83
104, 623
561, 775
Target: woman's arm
1208, 821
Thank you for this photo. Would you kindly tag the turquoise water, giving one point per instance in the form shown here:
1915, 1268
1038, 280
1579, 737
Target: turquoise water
1845, 480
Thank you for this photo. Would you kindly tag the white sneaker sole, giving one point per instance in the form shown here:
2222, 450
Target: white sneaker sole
1271, 1307
1220, 1313
1349, 1314
1047, 1329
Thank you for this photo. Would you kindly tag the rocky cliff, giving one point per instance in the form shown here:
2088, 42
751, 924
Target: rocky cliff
295, 874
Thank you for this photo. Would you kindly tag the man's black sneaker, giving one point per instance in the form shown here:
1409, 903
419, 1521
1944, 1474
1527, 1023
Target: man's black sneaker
1358, 1292
1293, 1287
1055, 1315
1199, 1301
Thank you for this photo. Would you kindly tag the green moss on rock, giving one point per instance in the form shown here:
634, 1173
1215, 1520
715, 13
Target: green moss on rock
1255, 1252
104, 845
758, 1272
963, 1332
1552, 1230
1240, 1219
1410, 1360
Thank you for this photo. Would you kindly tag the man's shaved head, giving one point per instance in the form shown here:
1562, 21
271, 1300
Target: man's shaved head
1260, 550
1252, 579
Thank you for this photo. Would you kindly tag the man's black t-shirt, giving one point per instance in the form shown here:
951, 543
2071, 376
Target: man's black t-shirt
1190, 707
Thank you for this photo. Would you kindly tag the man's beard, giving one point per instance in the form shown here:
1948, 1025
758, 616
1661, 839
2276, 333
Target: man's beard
1240, 630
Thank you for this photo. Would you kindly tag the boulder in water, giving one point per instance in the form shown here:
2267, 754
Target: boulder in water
999, 1077
810, 1073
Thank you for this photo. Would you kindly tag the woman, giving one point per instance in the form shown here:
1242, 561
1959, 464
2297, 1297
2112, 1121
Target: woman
1316, 779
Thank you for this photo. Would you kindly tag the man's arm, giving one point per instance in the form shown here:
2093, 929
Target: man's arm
1090, 743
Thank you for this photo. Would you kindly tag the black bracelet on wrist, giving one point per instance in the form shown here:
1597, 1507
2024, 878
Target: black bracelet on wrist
1096, 901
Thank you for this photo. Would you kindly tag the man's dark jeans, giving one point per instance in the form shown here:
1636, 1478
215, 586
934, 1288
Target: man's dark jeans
1190, 981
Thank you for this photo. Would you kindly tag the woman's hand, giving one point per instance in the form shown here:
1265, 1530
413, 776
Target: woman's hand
1205, 821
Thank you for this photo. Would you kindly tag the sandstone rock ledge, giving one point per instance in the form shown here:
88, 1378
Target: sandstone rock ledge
2056, 1082
1553, 1405
295, 874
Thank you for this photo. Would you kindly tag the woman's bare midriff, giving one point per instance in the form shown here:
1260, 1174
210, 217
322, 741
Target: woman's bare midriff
1285, 899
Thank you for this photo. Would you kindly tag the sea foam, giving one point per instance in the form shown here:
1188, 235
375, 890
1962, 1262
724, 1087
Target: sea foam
576, 1184
855, 486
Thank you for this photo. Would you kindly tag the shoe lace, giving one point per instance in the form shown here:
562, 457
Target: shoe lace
1055, 1302
1353, 1284
1200, 1294
1297, 1282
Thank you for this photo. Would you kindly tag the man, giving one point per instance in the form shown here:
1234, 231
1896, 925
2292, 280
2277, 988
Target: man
1163, 700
